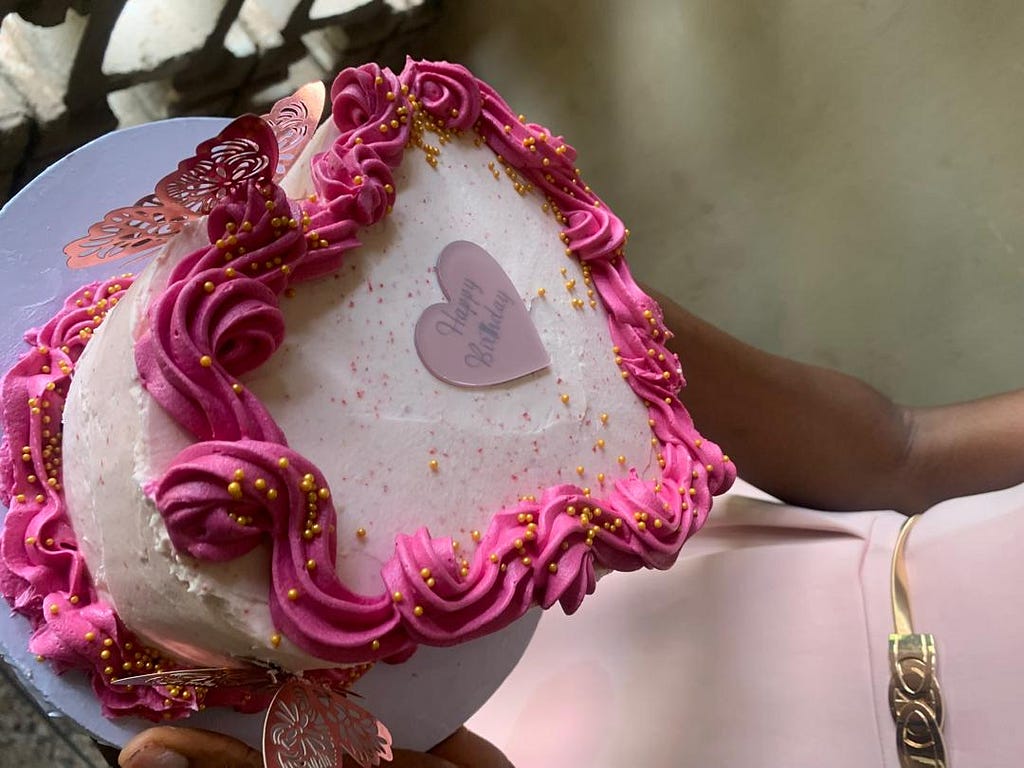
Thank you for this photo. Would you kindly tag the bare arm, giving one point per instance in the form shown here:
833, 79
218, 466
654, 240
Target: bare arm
823, 439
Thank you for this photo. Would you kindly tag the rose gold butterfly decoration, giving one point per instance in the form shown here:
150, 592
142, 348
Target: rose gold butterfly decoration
294, 121
309, 723
249, 148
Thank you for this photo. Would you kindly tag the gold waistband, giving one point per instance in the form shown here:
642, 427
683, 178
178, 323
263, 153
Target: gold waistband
915, 699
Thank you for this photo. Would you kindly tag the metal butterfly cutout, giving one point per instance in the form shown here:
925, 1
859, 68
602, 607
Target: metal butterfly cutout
252, 148
310, 723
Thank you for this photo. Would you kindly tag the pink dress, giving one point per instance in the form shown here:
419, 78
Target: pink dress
767, 645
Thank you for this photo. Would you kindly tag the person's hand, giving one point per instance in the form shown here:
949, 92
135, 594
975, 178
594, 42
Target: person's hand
170, 747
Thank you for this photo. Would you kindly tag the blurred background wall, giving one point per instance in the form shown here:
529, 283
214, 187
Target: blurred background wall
838, 181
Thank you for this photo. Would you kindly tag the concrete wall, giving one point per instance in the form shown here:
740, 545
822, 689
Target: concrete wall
841, 182
73, 70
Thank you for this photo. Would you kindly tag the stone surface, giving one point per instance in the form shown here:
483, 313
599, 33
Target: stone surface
15, 123
29, 738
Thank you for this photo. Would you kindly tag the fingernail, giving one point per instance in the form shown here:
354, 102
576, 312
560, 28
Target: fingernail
152, 756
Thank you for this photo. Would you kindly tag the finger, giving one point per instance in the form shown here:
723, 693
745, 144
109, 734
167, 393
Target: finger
168, 747
464, 748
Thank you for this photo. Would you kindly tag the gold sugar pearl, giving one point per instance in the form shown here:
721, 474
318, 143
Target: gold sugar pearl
293, 594
565, 398
397, 597
361, 533
418, 610
275, 640
206, 361
433, 465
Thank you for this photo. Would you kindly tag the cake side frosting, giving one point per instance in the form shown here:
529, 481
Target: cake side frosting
43, 574
215, 322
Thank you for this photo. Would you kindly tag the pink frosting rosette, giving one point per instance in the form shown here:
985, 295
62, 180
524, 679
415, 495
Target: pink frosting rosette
365, 103
447, 90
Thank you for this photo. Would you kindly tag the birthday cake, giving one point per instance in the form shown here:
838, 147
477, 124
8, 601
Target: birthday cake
391, 393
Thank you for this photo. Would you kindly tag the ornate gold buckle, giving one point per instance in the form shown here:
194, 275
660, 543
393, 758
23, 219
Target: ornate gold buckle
915, 698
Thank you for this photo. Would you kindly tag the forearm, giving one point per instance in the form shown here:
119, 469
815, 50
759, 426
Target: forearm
808, 435
968, 447
822, 439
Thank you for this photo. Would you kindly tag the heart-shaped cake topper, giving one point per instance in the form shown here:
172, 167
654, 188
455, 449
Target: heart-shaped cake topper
482, 335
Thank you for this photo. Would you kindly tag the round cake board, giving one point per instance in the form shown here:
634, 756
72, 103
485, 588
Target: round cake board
422, 700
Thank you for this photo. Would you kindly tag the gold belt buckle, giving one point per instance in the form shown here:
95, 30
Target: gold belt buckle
915, 698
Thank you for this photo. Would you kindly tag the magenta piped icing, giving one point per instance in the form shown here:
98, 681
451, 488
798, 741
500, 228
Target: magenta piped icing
218, 317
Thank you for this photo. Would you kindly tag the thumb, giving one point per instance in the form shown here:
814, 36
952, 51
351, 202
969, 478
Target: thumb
169, 747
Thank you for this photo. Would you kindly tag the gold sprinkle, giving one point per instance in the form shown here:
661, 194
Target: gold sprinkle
234, 490
206, 361
54, 609
474, 535
90, 636
73, 599
418, 610
311, 565
425, 573
275, 640
293, 594
433, 465
621, 459
104, 654
375, 645
565, 398
361, 533
397, 597
541, 292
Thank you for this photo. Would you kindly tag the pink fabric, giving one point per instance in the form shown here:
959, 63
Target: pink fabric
766, 645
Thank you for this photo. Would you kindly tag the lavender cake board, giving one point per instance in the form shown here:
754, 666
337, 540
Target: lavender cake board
421, 701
